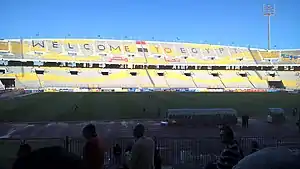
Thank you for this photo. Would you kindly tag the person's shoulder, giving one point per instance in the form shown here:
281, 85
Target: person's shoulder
146, 140
138, 142
150, 141
143, 141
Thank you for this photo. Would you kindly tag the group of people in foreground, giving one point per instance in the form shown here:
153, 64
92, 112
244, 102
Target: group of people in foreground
143, 154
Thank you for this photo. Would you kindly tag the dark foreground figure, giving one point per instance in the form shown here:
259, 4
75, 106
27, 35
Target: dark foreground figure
271, 158
47, 158
93, 151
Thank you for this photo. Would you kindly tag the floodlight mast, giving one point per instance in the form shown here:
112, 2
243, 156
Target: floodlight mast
269, 10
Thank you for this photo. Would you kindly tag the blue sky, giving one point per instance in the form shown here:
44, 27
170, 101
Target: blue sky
214, 21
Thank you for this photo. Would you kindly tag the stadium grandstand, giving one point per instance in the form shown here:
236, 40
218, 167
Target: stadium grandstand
75, 63
184, 93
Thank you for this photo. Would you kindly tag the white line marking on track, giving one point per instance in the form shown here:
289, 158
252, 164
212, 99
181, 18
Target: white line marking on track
82, 124
9, 133
92, 122
50, 124
30, 125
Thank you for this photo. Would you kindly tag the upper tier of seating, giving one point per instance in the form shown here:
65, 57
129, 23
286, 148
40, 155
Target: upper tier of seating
130, 51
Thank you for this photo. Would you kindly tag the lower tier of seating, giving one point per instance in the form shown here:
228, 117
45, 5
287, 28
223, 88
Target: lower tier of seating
39, 77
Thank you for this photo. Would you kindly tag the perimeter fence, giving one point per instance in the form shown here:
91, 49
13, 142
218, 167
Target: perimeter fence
174, 151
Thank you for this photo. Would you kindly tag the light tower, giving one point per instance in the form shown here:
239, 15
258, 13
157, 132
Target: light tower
269, 10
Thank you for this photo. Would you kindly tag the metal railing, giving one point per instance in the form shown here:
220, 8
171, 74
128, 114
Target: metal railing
174, 151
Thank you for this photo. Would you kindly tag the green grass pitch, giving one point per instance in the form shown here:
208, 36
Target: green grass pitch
109, 106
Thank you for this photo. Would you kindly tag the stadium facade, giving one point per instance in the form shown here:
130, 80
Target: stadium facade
130, 65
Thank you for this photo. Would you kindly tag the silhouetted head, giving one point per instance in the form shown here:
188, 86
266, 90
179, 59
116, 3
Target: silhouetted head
139, 131
24, 150
89, 131
226, 134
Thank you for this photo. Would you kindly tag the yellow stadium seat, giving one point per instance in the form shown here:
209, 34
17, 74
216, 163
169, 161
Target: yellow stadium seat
194, 60
210, 82
116, 51
4, 46
256, 79
92, 79
256, 55
152, 60
119, 75
213, 82
130, 48
142, 74
159, 81
55, 56
269, 54
16, 47
137, 60
240, 55
54, 78
34, 46
225, 60
27, 77
155, 49
234, 80
75, 41
176, 75
291, 84
152, 72
168, 49
88, 58
8, 75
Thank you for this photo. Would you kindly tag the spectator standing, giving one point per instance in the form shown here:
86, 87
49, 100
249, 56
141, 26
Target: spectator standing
158, 112
243, 121
298, 125
117, 150
142, 156
93, 152
246, 121
232, 152
295, 111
